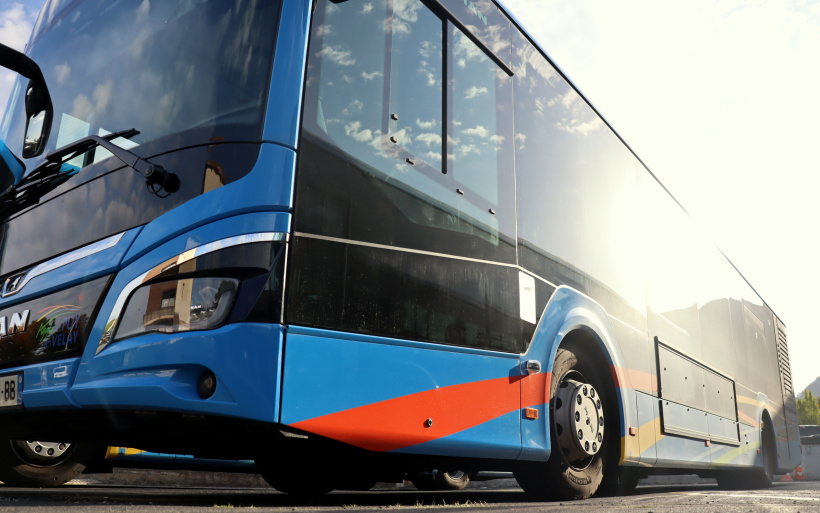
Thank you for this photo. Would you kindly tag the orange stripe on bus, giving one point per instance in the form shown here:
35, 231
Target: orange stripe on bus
424, 416
635, 379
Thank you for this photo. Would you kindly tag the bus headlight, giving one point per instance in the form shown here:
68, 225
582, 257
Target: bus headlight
178, 305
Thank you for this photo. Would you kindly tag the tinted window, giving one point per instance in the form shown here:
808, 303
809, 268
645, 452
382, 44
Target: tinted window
377, 95
577, 191
161, 67
406, 146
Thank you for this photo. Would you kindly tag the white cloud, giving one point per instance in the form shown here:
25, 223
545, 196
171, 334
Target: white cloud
478, 131
353, 107
575, 126
338, 55
465, 50
429, 139
474, 92
354, 130
467, 149
521, 139
15, 28
425, 125
371, 76
62, 71
367, 8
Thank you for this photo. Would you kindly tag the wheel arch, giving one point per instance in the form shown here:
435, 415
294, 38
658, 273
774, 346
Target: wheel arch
572, 318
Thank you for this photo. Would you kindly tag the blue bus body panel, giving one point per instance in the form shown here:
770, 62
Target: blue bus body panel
494, 439
46, 384
160, 372
267, 187
283, 115
388, 395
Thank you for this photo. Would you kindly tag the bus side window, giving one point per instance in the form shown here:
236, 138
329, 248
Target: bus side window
416, 72
386, 81
478, 93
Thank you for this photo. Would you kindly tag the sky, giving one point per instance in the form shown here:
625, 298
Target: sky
719, 98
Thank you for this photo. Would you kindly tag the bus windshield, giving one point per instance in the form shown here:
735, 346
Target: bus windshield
195, 69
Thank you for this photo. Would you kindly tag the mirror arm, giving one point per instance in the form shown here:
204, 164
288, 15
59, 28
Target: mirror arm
22, 64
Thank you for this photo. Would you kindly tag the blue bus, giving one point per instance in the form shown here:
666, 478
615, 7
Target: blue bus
382, 236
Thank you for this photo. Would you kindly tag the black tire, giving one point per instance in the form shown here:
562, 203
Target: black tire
33, 464
297, 475
442, 480
622, 482
567, 475
757, 478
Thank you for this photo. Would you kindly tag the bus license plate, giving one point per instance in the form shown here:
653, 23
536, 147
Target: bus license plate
10, 387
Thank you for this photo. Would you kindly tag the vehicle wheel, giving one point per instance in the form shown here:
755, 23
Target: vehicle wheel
623, 482
296, 477
759, 477
580, 433
32, 464
442, 480
356, 482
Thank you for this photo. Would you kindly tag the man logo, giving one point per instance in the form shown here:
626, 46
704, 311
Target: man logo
13, 284
19, 323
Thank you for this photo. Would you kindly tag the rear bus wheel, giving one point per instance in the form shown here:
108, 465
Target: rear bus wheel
579, 433
760, 477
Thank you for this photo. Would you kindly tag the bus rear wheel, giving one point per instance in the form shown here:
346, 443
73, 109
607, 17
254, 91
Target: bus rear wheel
34, 464
580, 440
760, 477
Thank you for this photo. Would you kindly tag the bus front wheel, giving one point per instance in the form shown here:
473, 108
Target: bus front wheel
34, 464
580, 438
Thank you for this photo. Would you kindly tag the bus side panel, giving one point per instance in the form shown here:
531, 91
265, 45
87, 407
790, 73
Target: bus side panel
739, 456
387, 395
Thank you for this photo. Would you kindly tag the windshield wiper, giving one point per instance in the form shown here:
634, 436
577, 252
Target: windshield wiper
52, 172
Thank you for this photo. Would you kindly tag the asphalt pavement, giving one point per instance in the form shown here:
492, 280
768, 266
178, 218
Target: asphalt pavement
800, 496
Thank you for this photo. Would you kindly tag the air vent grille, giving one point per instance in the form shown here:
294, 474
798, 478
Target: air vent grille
789, 403
783, 360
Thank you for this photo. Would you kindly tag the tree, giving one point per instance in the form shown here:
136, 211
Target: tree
808, 411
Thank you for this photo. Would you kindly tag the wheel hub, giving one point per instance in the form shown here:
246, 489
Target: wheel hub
579, 420
43, 451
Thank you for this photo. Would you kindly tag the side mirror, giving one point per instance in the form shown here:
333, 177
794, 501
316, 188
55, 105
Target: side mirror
39, 110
